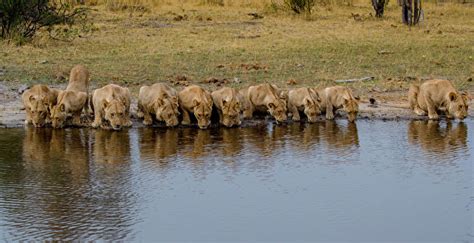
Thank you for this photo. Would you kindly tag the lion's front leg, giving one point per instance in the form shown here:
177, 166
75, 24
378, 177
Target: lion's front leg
97, 119
329, 112
248, 113
76, 118
147, 118
28, 119
186, 119
294, 111
432, 114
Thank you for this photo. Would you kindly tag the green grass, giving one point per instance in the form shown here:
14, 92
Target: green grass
142, 48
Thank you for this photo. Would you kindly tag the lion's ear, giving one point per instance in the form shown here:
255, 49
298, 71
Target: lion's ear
346, 101
195, 103
224, 102
466, 96
105, 104
62, 107
452, 96
32, 98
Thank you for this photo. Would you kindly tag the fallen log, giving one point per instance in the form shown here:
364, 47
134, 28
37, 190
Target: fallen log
355, 80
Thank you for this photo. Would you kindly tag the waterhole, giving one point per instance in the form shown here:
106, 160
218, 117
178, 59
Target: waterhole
328, 181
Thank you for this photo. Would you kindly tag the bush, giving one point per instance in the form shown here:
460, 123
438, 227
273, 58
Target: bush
300, 6
21, 19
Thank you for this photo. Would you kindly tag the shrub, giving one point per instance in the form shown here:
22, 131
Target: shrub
300, 6
21, 19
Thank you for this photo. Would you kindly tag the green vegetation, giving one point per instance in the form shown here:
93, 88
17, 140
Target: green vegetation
200, 41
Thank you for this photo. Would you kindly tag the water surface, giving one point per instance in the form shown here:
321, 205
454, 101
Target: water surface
330, 181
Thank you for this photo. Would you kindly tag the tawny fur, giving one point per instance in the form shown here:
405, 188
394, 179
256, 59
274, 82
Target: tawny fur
69, 103
435, 95
158, 100
337, 97
111, 104
264, 98
38, 101
227, 102
304, 100
197, 101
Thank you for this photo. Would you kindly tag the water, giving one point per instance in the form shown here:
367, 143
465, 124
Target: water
330, 181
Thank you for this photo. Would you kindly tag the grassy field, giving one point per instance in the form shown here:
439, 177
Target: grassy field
200, 41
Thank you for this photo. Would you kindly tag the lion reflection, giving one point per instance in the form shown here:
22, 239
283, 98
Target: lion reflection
337, 136
111, 146
433, 137
159, 145
44, 149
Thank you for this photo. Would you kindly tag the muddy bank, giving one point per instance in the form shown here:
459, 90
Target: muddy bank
388, 106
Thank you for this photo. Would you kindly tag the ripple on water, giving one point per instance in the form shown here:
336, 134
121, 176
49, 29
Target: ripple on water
152, 184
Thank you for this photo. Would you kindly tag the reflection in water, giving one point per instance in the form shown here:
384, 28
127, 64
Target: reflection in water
62, 194
438, 140
96, 184
159, 146
338, 137
111, 147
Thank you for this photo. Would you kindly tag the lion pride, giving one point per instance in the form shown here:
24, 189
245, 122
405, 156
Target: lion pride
111, 103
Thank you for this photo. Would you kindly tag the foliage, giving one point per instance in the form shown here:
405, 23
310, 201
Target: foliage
20, 20
300, 6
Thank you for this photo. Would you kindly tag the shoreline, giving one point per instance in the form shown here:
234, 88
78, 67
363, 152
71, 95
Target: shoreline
12, 114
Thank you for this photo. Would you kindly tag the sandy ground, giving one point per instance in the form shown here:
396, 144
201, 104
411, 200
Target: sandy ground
388, 106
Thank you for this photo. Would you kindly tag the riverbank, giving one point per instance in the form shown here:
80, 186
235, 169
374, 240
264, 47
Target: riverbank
388, 105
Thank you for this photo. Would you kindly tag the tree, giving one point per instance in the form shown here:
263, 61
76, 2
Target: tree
379, 7
411, 11
21, 19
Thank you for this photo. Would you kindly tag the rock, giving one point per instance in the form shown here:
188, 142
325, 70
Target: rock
23, 88
256, 15
43, 62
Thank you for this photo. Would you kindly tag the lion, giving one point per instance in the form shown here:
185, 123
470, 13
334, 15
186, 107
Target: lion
437, 94
227, 103
196, 100
68, 102
159, 100
79, 79
112, 104
337, 97
264, 98
38, 101
305, 100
